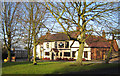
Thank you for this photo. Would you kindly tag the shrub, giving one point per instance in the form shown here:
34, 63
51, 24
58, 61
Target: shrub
83, 59
65, 59
58, 59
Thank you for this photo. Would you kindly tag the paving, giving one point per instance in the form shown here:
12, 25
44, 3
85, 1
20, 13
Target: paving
75, 61
22, 60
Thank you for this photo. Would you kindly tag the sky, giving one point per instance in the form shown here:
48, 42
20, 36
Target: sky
57, 0
60, 29
118, 42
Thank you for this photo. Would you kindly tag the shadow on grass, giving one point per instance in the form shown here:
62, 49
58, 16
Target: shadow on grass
102, 70
14, 63
89, 69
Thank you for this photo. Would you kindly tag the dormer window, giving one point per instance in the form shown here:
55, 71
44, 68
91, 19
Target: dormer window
61, 45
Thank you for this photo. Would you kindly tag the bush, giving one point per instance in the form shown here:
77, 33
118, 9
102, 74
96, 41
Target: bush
58, 59
83, 59
46, 58
70, 59
65, 59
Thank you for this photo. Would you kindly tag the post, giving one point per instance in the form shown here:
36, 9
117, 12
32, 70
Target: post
62, 54
70, 54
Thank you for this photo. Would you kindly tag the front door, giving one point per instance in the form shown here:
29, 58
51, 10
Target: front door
52, 56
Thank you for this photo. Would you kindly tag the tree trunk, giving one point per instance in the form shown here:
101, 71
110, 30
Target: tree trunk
9, 47
28, 54
29, 44
34, 44
9, 52
108, 56
9, 55
34, 61
81, 48
80, 54
111, 48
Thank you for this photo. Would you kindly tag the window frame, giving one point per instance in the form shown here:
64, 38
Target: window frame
66, 44
47, 54
47, 45
73, 54
85, 54
67, 55
61, 45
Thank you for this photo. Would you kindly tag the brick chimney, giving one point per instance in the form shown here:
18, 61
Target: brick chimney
77, 28
103, 34
48, 33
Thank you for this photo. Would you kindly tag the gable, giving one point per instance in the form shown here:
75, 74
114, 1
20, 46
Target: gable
76, 44
92, 41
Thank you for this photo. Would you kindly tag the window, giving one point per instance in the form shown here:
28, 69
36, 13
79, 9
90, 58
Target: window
47, 45
61, 45
60, 53
73, 53
85, 54
55, 44
98, 53
47, 53
66, 53
66, 44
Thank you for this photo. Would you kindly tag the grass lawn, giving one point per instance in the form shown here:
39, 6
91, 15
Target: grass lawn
49, 67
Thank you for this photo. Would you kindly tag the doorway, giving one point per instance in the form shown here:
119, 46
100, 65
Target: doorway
52, 56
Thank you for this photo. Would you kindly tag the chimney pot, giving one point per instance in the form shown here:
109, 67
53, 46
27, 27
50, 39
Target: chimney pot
103, 34
48, 33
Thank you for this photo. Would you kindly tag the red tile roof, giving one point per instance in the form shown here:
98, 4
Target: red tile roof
92, 41
97, 41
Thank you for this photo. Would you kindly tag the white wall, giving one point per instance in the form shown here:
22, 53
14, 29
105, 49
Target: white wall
38, 51
70, 42
44, 45
52, 45
76, 44
76, 47
89, 55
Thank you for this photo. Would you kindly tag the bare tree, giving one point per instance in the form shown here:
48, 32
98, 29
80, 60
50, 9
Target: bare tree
113, 34
87, 16
32, 18
26, 28
9, 25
